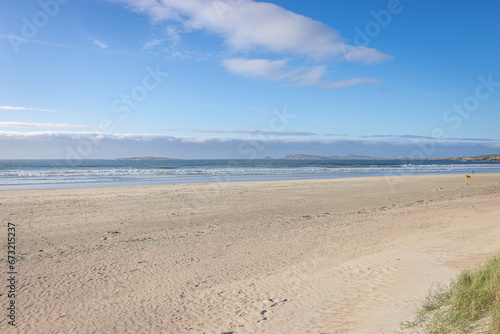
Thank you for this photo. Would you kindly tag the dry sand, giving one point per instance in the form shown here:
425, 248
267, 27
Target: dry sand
312, 256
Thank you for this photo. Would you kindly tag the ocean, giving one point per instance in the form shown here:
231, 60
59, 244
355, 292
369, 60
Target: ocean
32, 174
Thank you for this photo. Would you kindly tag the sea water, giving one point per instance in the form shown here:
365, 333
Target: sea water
31, 174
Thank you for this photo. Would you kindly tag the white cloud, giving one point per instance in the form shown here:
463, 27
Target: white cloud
251, 26
309, 77
59, 135
60, 145
45, 125
363, 54
278, 70
430, 138
247, 25
257, 132
99, 44
351, 82
11, 37
258, 68
155, 9
267, 136
152, 43
173, 34
25, 108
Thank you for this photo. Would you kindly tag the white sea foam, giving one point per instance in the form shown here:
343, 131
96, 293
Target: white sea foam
191, 171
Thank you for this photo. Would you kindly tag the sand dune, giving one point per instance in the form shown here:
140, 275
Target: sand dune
312, 256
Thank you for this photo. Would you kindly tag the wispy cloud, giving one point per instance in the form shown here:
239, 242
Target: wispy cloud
252, 26
171, 52
100, 44
149, 137
247, 132
419, 137
257, 68
59, 145
26, 108
258, 132
337, 134
36, 41
268, 136
46, 125
276, 70
351, 82
279, 70
152, 43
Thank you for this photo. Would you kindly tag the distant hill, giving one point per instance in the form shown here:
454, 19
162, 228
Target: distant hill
303, 156
147, 158
488, 157
318, 157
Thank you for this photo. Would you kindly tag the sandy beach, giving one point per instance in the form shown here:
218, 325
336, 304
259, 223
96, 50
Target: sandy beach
353, 255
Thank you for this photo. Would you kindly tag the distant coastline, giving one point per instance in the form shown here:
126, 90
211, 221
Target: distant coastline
317, 157
147, 158
487, 157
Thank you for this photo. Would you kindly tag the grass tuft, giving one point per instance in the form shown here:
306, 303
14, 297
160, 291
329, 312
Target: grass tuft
470, 302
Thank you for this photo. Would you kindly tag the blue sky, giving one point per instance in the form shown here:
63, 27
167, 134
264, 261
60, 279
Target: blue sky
247, 79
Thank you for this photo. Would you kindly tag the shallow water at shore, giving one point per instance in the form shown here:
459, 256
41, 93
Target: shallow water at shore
32, 174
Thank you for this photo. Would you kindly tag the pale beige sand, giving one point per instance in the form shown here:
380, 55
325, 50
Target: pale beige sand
315, 256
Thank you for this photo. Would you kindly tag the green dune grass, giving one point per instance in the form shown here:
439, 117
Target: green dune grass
471, 304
